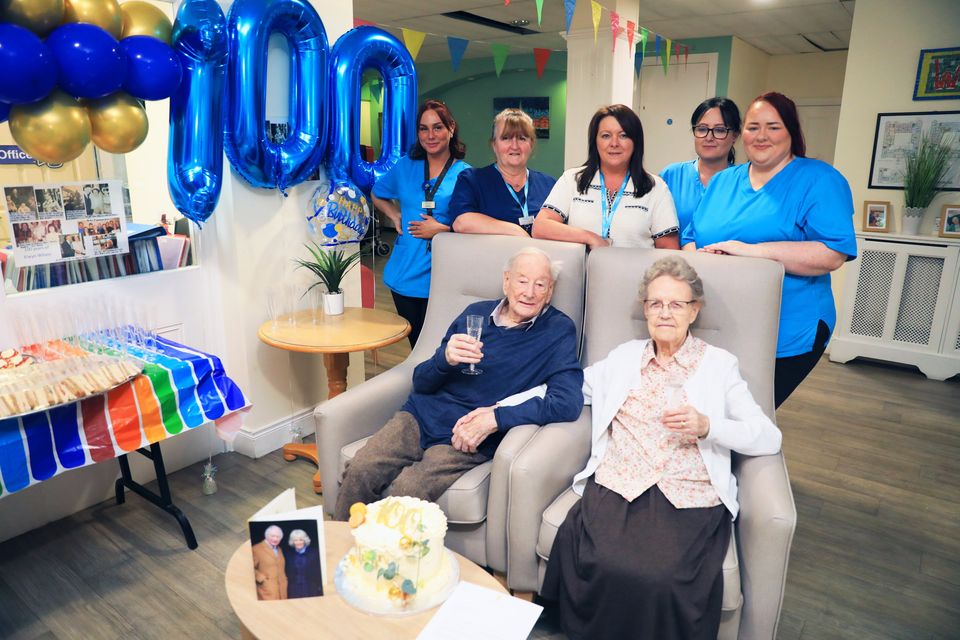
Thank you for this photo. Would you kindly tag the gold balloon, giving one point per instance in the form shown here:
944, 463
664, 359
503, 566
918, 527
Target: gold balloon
103, 13
143, 19
55, 129
118, 122
40, 16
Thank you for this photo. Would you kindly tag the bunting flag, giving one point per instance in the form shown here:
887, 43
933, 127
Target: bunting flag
665, 60
641, 51
686, 54
413, 40
541, 56
500, 52
376, 90
357, 22
656, 48
181, 389
631, 30
676, 50
540, 12
456, 46
568, 7
597, 11
614, 28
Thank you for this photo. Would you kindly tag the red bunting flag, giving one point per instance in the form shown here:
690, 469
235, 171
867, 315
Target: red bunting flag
686, 53
541, 56
357, 22
614, 27
676, 50
631, 29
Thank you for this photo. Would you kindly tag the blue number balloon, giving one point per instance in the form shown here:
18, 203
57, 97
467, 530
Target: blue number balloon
153, 69
28, 71
260, 162
357, 50
195, 158
92, 65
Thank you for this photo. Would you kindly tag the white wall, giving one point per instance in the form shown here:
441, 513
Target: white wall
246, 247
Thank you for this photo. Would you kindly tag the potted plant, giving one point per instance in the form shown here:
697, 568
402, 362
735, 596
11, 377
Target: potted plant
921, 179
330, 267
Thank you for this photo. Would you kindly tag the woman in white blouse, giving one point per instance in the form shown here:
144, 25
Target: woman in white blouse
611, 199
640, 555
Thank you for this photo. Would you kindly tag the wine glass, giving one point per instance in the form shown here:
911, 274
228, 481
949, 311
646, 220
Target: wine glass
673, 399
474, 329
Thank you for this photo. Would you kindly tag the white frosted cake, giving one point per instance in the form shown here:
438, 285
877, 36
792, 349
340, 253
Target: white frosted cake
398, 559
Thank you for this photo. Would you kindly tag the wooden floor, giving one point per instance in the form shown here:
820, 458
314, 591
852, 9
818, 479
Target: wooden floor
874, 459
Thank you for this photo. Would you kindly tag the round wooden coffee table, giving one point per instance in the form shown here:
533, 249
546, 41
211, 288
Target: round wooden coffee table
328, 616
356, 329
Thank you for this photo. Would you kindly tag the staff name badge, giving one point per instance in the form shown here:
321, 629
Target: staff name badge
428, 204
526, 221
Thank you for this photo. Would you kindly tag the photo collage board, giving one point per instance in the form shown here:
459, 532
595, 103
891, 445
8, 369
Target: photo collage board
63, 222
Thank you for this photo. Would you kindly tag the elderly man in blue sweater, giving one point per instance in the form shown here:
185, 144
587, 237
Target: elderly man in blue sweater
453, 422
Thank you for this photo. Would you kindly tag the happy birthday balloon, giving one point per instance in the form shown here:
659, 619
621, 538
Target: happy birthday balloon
341, 217
40, 16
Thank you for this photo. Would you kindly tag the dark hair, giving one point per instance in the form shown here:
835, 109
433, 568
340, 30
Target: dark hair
630, 123
457, 149
791, 120
728, 111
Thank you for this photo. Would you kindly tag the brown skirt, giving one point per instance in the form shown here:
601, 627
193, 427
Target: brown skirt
641, 569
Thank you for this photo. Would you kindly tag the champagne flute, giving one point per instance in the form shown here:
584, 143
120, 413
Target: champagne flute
673, 399
474, 329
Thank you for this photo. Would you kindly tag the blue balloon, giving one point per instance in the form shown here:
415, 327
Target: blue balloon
357, 50
195, 155
92, 64
340, 216
4, 111
153, 68
28, 71
259, 161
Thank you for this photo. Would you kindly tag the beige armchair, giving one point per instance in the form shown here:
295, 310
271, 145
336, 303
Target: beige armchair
466, 268
742, 301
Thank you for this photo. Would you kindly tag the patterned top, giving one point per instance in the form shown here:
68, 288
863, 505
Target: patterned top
642, 452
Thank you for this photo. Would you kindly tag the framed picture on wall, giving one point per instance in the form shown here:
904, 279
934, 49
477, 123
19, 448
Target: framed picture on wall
950, 221
899, 134
876, 216
938, 74
537, 108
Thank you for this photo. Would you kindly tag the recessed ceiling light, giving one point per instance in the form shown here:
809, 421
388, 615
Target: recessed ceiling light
519, 22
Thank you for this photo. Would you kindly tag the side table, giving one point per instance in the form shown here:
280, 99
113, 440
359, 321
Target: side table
357, 329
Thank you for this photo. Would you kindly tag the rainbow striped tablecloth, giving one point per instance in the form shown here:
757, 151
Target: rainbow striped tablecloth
181, 389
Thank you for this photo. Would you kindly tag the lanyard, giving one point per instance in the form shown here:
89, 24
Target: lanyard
428, 191
609, 211
525, 211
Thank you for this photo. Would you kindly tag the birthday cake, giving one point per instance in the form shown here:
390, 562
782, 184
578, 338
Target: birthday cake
398, 562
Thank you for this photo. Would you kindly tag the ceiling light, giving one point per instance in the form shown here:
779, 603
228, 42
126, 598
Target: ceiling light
519, 22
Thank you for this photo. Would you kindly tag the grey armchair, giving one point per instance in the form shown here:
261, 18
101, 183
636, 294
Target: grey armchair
742, 300
466, 268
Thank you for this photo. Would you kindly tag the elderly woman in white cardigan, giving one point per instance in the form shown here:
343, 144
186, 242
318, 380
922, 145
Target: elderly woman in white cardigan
640, 555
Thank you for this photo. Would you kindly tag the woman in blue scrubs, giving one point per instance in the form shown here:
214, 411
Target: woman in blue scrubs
786, 207
716, 127
415, 195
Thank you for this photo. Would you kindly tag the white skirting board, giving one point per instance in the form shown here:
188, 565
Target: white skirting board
256, 444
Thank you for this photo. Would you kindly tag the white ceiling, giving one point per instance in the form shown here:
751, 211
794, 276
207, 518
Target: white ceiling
774, 26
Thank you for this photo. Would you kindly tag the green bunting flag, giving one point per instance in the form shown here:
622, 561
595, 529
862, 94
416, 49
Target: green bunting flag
539, 12
500, 52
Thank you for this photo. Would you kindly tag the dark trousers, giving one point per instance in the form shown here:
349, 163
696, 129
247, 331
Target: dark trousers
791, 371
393, 456
413, 310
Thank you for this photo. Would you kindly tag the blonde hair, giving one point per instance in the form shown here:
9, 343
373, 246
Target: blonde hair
513, 122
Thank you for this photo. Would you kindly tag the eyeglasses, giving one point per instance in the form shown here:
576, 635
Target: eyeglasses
701, 131
675, 306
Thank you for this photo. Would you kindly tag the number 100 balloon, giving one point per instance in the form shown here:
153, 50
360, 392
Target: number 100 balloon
324, 100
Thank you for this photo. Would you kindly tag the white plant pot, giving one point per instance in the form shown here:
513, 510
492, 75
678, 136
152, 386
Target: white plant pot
333, 303
910, 225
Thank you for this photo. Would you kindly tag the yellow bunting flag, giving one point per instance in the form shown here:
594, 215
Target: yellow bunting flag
597, 9
666, 56
413, 40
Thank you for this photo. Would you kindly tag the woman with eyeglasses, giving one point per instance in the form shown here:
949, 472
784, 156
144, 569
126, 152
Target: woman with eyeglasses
640, 555
716, 127
782, 206
415, 195
611, 199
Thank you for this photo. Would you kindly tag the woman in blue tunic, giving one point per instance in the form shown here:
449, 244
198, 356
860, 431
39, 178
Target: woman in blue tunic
786, 207
415, 195
502, 198
716, 127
